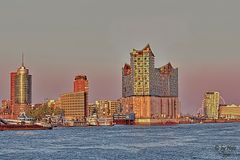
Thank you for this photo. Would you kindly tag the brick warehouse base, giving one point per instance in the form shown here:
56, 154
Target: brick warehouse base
151, 107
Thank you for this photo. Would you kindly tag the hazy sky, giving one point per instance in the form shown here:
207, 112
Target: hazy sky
63, 38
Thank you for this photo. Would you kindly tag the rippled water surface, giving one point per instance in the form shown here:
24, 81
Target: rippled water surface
198, 141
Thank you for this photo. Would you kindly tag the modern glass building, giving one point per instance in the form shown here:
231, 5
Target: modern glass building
137, 76
147, 91
141, 78
20, 90
23, 86
211, 104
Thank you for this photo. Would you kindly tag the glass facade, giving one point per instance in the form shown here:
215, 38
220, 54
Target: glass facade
211, 104
141, 73
141, 78
147, 91
23, 86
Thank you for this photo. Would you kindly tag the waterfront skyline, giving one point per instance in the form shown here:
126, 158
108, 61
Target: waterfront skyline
68, 39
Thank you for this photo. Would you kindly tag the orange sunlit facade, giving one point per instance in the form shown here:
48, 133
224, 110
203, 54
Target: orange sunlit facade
81, 83
74, 105
229, 111
150, 107
12, 90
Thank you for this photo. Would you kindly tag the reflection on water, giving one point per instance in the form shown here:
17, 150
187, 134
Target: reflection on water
197, 141
25, 133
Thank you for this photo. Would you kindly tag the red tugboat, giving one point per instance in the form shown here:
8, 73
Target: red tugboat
5, 126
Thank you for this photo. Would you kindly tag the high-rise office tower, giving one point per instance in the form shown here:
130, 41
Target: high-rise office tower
12, 89
21, 89
74, 105
81, 83
23, 86
211, 104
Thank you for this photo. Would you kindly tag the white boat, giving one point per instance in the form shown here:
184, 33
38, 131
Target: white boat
92, 120
105, 121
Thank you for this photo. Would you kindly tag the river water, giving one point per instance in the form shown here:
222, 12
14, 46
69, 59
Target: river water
187, 142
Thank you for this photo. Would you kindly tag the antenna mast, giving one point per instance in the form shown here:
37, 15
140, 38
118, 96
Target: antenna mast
22, 59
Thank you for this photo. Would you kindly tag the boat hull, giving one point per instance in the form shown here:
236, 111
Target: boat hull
11, 127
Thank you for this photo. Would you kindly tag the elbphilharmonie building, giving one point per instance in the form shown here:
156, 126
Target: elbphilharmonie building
147, 91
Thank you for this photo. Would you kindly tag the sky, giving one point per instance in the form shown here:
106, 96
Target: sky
64, 38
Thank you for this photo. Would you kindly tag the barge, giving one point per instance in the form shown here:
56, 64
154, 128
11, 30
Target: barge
5, 126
